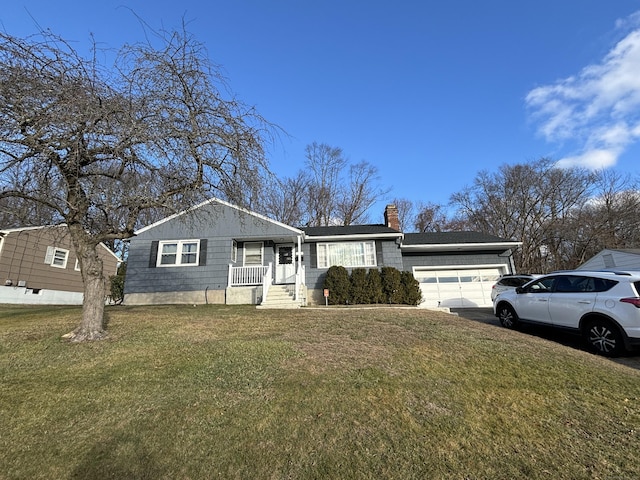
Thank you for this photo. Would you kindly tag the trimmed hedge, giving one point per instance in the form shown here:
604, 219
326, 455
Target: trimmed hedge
361, 287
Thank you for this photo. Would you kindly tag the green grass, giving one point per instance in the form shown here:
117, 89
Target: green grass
235, 392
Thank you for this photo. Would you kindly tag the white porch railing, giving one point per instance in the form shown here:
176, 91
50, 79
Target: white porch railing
300, 280
261, 275
267, 279
253, 275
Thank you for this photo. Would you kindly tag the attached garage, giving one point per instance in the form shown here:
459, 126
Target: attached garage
457, 269
459, 288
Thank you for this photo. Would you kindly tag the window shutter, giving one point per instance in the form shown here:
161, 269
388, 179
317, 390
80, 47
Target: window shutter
48, 258
153, 256
203, 252
313, 250
379, 259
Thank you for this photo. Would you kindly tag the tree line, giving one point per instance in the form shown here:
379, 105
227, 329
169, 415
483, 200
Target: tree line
562, 216
115, 140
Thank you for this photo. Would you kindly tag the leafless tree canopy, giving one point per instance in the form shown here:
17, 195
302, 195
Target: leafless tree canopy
101, 147
562, 216
328, 191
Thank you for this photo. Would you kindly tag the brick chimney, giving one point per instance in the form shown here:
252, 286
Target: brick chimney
391, 217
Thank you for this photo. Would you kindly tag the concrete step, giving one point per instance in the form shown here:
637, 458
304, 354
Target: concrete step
279, 296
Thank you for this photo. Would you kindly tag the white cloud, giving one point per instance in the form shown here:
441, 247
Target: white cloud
599, 107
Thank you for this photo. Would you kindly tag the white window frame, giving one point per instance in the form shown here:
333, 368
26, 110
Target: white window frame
244, 254
57, 254
179, 253
234, 251
346, 254
77, 266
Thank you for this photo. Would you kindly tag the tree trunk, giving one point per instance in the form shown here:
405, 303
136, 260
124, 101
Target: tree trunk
92, 326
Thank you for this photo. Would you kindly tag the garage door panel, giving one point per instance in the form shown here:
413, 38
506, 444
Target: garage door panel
461, 288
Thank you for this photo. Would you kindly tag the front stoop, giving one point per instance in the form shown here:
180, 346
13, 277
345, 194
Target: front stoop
280, 296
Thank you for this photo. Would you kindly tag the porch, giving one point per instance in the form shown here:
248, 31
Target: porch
260, 279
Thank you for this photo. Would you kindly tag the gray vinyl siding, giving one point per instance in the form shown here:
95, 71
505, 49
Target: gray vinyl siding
444, 260
219, 225
410, 260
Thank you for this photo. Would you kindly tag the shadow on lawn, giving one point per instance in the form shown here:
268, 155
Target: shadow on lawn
123, 456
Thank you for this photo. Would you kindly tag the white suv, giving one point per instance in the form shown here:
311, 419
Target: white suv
603, 306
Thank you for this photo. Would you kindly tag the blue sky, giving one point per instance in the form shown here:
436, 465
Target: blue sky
430, 92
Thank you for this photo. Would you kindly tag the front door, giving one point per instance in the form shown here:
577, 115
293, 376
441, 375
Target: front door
285, 265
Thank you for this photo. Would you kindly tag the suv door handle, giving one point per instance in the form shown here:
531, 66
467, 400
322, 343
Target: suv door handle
587, 302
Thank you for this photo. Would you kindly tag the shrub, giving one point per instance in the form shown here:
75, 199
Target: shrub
392, 285
411, 289
339, 285
116, 284
374, 286
359, 292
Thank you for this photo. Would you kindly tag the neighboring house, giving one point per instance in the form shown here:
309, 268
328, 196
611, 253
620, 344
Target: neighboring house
613, 259
38, 265
220, 253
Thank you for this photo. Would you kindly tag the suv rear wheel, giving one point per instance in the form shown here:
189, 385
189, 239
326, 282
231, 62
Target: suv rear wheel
507, 316
604, 337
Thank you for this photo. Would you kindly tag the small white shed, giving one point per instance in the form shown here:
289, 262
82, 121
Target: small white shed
609, 259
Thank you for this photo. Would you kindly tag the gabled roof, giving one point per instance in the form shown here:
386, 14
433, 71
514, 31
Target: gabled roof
455, 241
349, 232
221, 202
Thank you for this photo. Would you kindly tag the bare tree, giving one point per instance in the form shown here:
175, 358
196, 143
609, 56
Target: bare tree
406, 213
100, 146
532, 203
325, 165
329, 191
359, 193
431, 217
285, 200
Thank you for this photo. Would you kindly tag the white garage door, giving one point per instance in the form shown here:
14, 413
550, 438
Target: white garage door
469, 287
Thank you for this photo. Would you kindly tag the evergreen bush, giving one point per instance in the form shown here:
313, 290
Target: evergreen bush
411, 289
339, 285
392, 285
359, 292
374, 286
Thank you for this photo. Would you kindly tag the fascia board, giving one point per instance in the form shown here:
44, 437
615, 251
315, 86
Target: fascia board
359, 236
443, 247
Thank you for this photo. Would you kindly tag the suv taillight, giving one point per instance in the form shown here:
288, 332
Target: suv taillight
635, 301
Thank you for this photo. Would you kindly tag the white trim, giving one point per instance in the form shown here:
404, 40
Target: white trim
54, 251
329, 264
179, 253
424, 268
244, 254
356, 236
448, 247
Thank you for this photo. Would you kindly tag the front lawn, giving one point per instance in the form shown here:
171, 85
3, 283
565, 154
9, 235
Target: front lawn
182, 392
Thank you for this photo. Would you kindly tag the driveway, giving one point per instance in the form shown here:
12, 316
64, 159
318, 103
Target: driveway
485, 315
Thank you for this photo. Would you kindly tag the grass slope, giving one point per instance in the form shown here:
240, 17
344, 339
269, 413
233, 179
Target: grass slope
180, 392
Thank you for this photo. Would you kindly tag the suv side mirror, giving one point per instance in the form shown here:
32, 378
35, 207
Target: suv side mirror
519, 290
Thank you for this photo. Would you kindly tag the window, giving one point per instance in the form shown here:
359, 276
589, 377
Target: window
347, 254
253, 253
234, 251
178, 253
56, 257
